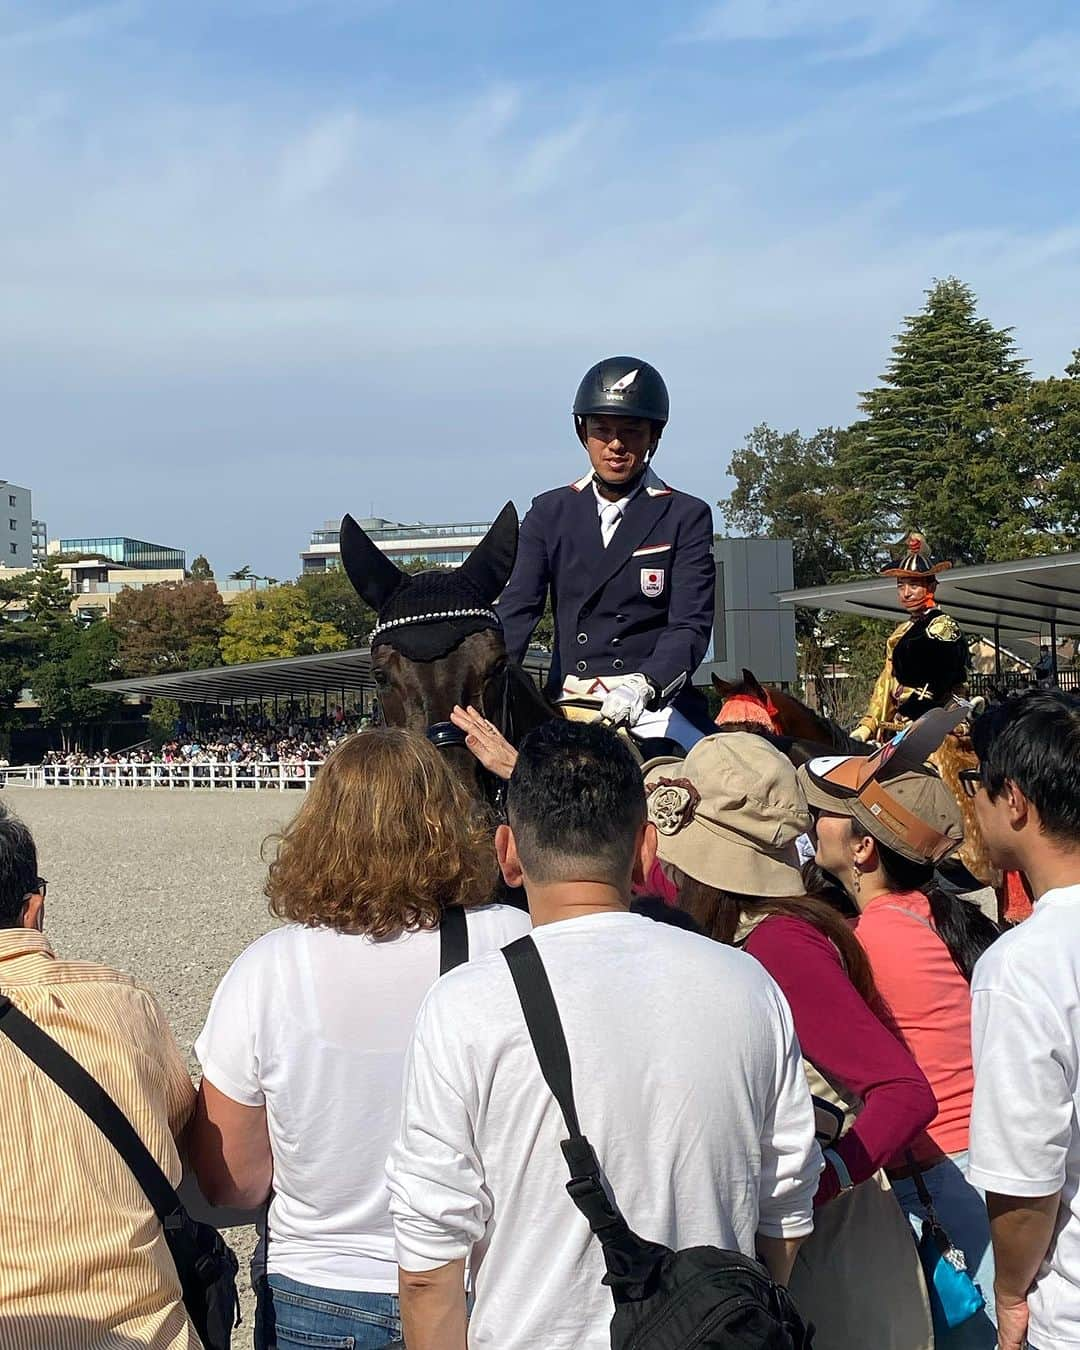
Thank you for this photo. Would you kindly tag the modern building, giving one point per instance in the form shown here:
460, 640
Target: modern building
96, 584
126, 552
39, 541
438, 545
17, 549
751, 628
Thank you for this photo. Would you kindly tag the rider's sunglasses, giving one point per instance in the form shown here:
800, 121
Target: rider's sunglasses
970, 781
40, 887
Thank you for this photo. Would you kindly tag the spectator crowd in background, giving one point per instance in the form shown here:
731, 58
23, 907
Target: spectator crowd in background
251, 744
754, 1073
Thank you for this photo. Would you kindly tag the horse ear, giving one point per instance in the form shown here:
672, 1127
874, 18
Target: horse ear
490, 563
750, 680
374, 577
722, 687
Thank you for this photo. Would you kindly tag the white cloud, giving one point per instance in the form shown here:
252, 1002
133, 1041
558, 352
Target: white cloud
81, 25
225, 320
876, 23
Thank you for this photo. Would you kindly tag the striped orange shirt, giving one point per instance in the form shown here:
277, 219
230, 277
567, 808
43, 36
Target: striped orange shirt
83, 1262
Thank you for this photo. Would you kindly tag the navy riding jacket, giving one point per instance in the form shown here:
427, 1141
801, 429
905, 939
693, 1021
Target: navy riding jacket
644, 603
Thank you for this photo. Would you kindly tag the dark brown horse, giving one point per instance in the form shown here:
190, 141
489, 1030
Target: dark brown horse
748, 705
438, 642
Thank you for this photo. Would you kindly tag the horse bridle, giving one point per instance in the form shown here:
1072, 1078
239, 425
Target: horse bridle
443, 735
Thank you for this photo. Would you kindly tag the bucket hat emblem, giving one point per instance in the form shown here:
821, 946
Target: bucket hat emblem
672, 803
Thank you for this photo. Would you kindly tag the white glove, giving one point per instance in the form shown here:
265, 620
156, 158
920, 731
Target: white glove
627, 701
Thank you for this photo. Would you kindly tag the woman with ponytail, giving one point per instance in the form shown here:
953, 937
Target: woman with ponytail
922, 944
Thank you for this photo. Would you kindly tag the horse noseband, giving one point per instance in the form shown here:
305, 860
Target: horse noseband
444, 735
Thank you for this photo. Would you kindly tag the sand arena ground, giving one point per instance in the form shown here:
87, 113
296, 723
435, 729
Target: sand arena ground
164, 885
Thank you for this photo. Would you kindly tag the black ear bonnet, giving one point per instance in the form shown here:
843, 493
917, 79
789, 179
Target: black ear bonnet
426, 615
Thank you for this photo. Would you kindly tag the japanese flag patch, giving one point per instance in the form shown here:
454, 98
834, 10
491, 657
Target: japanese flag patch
652, 582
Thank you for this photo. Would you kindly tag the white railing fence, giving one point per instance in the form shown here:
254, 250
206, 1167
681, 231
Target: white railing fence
231, 777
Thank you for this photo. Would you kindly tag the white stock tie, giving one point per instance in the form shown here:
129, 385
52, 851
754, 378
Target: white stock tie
609, 521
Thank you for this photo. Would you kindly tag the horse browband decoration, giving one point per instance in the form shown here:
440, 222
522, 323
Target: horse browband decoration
436, 616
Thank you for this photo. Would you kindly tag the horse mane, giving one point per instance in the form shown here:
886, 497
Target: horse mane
515, 702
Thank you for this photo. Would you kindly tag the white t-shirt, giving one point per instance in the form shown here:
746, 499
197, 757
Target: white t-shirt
315, 1024
689, 1085
1025, 1140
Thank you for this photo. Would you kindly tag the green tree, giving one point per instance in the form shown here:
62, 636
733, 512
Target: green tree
333, 600
173, 625
78, 658
785, 488
242, 573
48, 600
201, 569
162, 719
1041, 428
264, 625
929, 452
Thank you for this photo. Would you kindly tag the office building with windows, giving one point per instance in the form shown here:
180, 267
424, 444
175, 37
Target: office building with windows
126, 552
437, 545
39, 541
17, 549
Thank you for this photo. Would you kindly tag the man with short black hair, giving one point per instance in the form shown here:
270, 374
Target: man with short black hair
705, 1146
1025, 1140
83, 1260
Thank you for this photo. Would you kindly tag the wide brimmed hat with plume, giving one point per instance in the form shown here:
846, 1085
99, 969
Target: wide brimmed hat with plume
916, 564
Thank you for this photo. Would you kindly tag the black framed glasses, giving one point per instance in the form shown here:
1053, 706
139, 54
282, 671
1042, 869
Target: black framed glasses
970, 781
40, 887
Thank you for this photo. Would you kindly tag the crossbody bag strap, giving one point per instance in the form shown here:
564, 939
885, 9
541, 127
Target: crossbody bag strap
453, 939
92, 1099
587, 1187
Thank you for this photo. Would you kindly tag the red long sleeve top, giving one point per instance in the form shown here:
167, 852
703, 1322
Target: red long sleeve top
842, 1037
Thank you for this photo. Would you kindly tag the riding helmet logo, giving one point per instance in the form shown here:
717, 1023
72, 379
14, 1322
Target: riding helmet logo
652, 581
621, 386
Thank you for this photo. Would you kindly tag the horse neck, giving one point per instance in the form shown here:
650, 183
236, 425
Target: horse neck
804, 724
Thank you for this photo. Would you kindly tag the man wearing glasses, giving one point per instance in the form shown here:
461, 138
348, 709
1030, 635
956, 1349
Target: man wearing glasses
627, 561
83, 1260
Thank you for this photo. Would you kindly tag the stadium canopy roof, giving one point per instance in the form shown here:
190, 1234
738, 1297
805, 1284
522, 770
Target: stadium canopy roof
1033, 597
330, 672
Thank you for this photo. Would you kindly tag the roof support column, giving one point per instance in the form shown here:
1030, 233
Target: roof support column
997, 650
1053, 653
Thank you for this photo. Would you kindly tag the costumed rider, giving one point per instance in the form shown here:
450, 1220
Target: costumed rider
628, 562
926, 658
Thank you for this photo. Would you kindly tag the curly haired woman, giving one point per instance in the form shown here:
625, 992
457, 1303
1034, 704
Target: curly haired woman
305, 1041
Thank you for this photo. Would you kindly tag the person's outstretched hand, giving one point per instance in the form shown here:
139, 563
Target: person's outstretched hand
486, 741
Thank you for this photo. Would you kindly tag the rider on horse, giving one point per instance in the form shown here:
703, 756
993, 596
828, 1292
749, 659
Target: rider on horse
628, 563
926, 657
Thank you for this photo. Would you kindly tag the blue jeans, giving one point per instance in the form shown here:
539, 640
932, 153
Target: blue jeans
309, 1318
961, 1208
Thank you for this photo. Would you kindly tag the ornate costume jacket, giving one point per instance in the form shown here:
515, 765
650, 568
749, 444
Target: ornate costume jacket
926, 662
643, 604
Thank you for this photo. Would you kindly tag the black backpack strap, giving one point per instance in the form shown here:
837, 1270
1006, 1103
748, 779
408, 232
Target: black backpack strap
588, 1187
453, 939
91, 1098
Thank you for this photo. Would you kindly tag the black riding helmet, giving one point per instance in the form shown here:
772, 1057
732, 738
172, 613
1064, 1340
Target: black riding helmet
622, 386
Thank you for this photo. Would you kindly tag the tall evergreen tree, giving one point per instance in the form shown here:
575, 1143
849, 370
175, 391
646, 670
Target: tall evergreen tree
928, 453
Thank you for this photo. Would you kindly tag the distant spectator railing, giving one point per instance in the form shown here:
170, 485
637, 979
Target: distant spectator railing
278, 775
1008, 681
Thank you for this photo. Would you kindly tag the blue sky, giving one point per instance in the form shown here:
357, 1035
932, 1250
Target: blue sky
265, 261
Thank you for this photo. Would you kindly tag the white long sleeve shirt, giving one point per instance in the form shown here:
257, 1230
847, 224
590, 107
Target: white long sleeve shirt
689, 1084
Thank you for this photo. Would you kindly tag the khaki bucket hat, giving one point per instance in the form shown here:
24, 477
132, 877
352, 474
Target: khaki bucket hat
728, 814
915, 814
